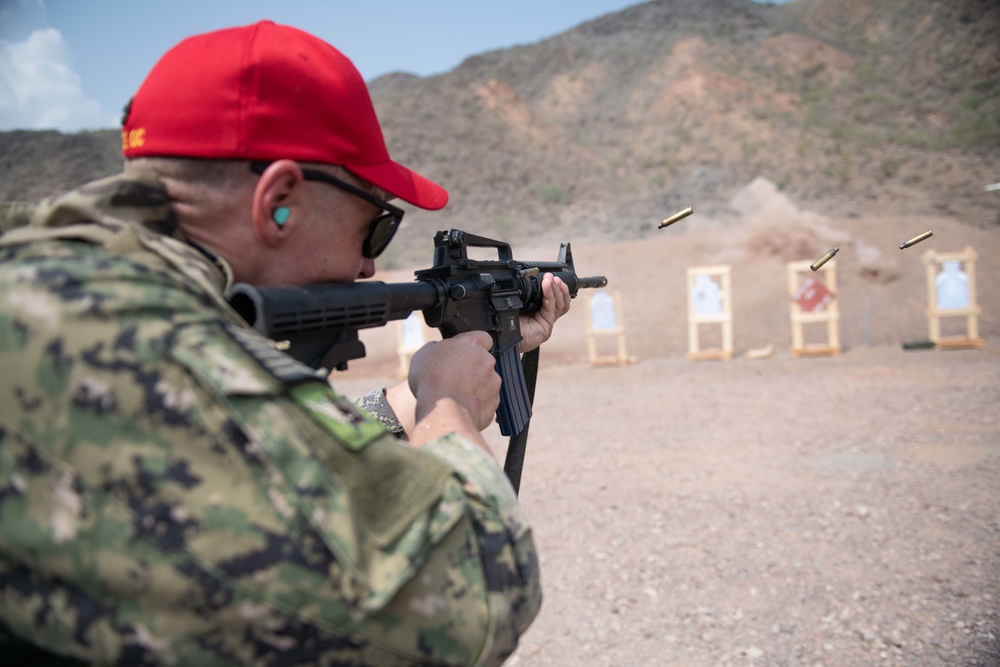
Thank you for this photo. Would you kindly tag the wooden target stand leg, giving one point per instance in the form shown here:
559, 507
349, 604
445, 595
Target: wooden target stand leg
938, 309
604, 320
709, 302
813, 301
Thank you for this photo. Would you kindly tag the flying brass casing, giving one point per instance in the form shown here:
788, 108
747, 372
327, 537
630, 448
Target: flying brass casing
680, 215
824, 259
916, 239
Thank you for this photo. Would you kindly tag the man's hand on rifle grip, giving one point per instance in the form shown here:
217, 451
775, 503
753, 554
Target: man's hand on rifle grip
456, 387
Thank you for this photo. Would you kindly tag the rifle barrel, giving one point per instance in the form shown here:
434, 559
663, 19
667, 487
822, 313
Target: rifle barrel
593, 282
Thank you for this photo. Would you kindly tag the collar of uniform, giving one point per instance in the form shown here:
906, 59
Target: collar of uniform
221, 264
142, 201
104, 211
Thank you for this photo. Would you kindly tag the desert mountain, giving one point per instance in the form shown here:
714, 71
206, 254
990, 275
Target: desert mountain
850, 107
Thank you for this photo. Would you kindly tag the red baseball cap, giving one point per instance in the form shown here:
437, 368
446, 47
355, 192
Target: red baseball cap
266, 92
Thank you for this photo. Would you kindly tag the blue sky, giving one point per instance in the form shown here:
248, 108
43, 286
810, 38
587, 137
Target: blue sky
73, 64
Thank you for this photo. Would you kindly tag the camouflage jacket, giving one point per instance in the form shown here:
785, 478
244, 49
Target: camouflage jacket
173, 490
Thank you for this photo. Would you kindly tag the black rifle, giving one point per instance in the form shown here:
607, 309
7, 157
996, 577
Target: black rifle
320, 323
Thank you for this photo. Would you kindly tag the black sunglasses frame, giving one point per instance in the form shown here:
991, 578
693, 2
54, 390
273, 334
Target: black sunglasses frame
384, 225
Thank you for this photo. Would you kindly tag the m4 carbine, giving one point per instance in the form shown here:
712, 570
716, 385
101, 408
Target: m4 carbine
319, 323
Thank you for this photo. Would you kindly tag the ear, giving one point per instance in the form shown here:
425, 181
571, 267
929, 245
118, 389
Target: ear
279, 187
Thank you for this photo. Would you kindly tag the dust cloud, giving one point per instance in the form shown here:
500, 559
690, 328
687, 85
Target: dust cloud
774, 226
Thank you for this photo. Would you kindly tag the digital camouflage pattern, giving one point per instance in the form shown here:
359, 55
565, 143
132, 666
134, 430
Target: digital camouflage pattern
174, 491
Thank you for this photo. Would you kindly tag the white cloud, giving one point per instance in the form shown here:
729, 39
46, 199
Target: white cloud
40, 90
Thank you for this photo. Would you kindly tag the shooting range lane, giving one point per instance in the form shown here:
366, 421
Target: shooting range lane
816, 509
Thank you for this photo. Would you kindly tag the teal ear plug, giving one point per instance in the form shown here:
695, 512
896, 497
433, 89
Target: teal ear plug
280, 215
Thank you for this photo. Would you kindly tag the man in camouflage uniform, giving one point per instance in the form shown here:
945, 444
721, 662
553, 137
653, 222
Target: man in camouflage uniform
175, 491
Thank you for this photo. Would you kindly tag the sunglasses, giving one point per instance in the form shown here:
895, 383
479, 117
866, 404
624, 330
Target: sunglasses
380, 230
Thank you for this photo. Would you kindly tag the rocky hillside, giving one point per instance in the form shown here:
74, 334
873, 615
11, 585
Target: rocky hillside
851, 107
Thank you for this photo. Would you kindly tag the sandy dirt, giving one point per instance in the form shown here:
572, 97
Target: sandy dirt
835, 510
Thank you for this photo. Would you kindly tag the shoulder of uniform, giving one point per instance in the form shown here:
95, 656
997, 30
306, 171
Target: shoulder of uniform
277, 364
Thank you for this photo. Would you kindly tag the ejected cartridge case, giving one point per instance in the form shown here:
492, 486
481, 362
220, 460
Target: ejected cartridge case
824, 259
916, 239
680, 215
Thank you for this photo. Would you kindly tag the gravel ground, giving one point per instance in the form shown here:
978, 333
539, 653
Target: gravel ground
834, 511
831, 511
827, 511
